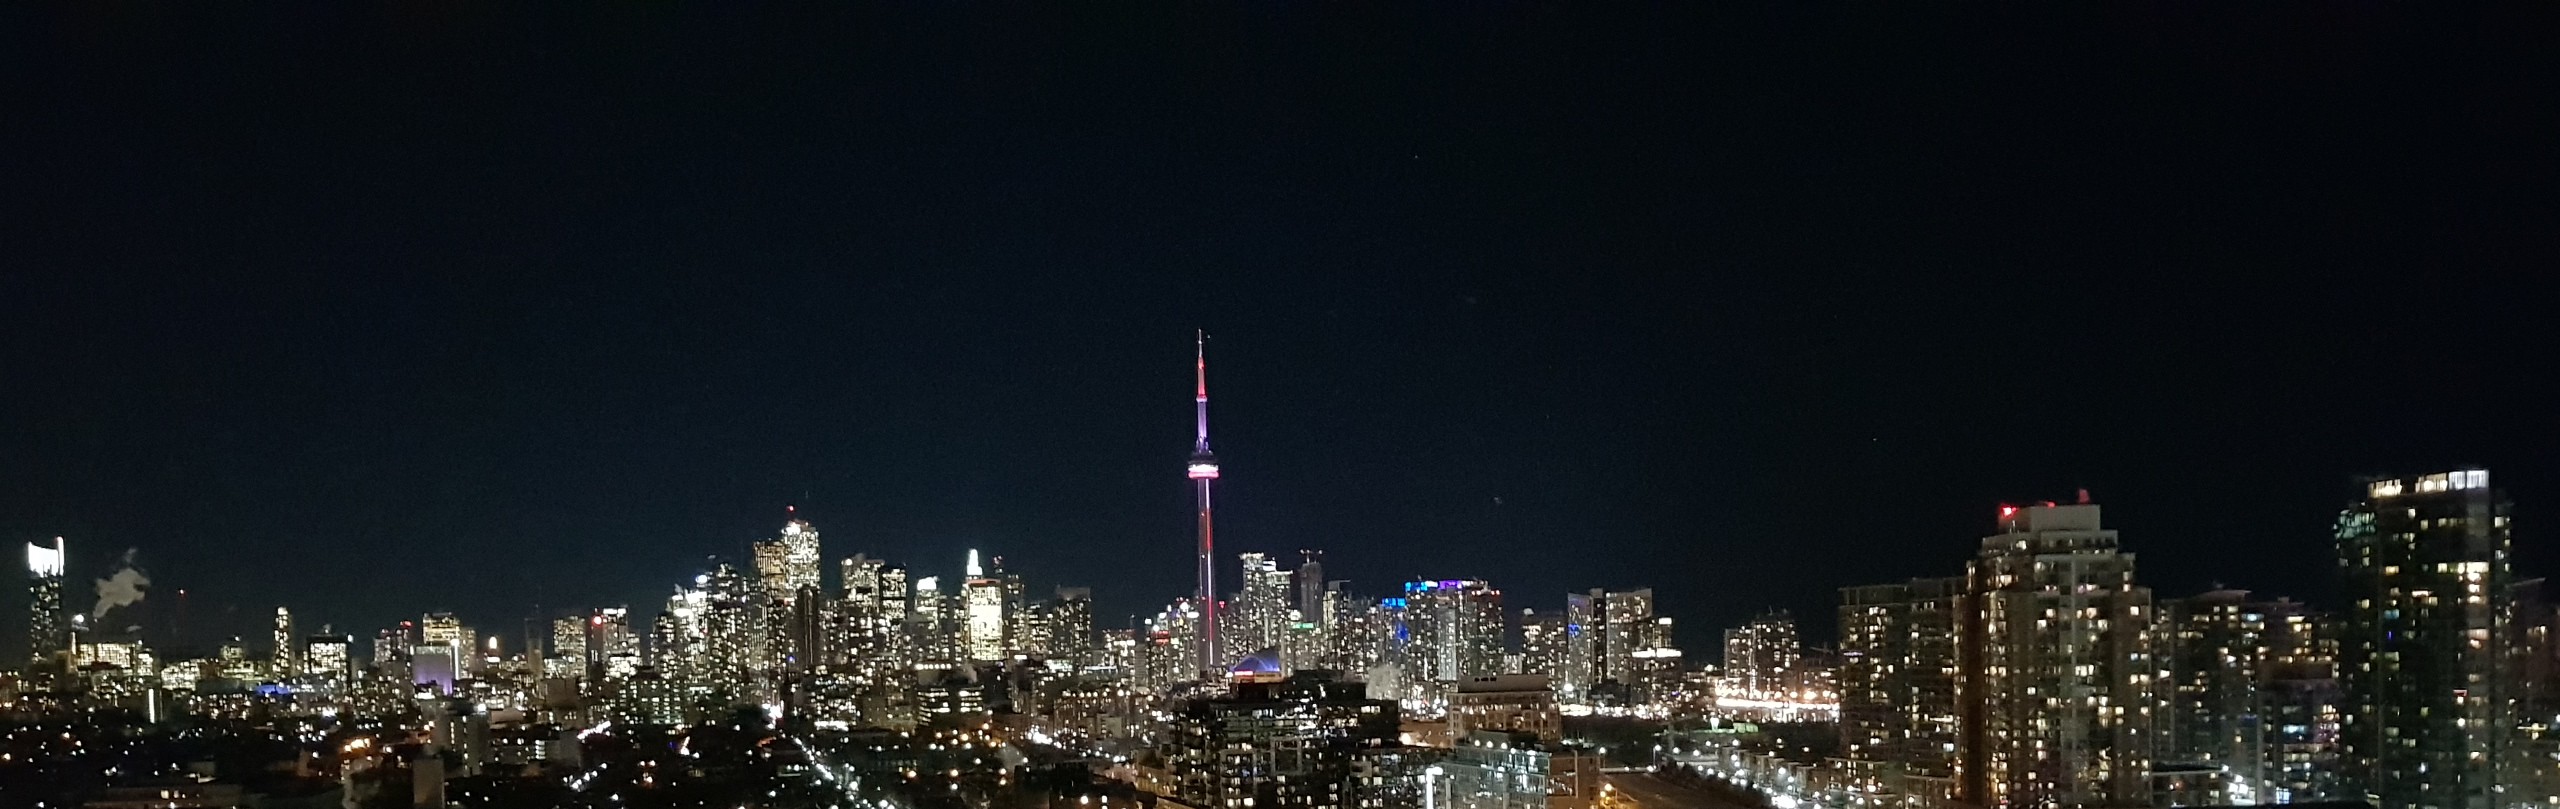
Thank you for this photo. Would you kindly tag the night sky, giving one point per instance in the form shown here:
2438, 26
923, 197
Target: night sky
374, 308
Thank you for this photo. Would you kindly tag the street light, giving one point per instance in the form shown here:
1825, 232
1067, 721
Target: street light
1430, 795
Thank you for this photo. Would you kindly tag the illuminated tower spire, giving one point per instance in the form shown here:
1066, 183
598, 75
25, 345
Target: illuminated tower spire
1204, 469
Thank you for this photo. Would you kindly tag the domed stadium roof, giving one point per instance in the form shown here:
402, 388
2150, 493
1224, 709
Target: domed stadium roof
1263, 662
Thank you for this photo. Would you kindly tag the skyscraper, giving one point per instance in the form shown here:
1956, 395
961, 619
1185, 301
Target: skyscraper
1453, 630
1542, 644
679, 632
1071, 628
1627, 615
789, 561
874, 615
2248, 690
1204, 471
1310, 584
568, 648
47, 635
983, 633
929, 629
1584, 650
614, 645
441, 629
2054, 684
2424, 561
330, 655
288, 654
1760, 658
787, 567
1898, 715
1261, 616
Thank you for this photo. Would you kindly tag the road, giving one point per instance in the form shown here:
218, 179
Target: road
1649, 791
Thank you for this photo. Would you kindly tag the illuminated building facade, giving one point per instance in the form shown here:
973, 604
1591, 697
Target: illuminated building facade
1286, 743
444, 630
1447, 631
874, 616
1581, 662
1897, 683
2055, 679
568, 648
2534, 644
1262, 614
930, 629
1656, 680
787, 573
1071, 628
612, 642
788, 562
733, 641
2425, 563
1760, 659
983, 633
1542, 637
2248, 688
1626, 627
288, 646
329, 655
1509, 703
47, 633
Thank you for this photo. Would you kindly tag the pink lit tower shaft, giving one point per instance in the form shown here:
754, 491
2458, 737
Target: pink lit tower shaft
1204, 469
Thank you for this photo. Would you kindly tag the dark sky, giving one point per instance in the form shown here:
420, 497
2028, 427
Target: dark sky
377, 308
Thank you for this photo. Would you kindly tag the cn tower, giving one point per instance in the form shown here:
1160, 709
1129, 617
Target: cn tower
1204, 470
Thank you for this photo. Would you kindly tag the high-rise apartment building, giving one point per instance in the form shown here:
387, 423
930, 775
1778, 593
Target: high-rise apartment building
1898, 712
2248, 688
1310, 583
1453, 630
734, 638
2534, 644
288, 645
2423, 655
47, 632
1261, 616
2055, 681
1626, 618
1542, 644
1584, 650
1071, 628
1291, 743
1760, 659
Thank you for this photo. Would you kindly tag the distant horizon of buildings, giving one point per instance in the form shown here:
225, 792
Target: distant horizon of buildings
2044, 674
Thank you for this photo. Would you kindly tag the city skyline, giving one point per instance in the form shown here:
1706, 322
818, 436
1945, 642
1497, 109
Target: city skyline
766, 556
792, 560
746, 559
